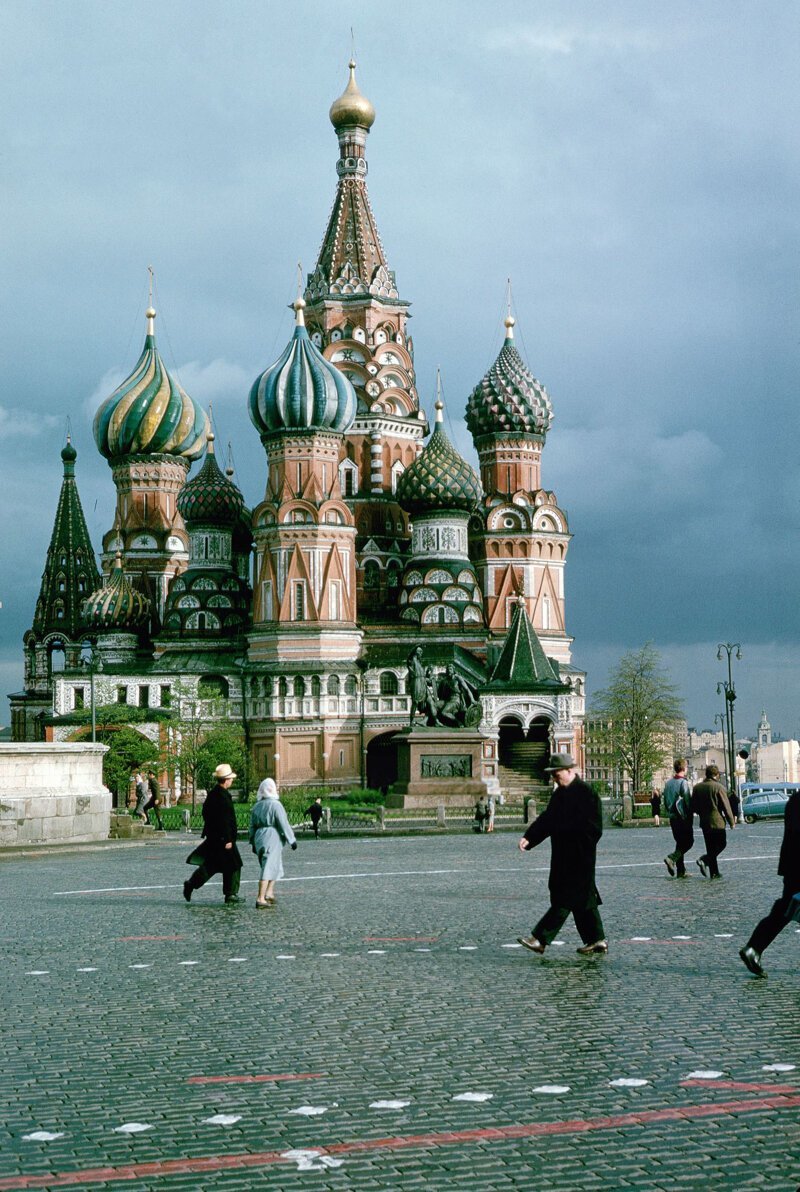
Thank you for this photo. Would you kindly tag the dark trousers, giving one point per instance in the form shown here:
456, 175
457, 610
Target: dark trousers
683, 836
773, 923
716, 840
587, 921
231, 879
152, 805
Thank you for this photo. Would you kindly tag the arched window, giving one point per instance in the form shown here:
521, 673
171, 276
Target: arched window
316, 687
283, 687
333, 685
393, 576
388, 683
350, 685
299, 687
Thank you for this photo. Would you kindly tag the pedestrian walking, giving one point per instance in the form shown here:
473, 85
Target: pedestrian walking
217, 853
655, 807
270, 830
154, 802
314, 812
784, 909
710, 802
677, 804
490, 814
142, 794
573, 821
481, 815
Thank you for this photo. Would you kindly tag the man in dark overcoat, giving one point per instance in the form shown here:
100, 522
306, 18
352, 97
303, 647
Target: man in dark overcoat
789, 869
218, 852
710, 802
573, 821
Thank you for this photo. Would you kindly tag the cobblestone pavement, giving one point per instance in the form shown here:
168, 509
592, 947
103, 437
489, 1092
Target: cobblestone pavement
381, 1028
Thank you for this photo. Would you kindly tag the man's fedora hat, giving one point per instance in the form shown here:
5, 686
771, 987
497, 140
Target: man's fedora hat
560, 761
224, 771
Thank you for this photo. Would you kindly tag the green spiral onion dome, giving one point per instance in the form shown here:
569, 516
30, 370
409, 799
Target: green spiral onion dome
210, 498
302, 390
118, 606
149, 413
439, 479
509, 399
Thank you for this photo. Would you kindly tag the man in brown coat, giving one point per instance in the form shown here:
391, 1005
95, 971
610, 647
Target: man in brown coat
710, 803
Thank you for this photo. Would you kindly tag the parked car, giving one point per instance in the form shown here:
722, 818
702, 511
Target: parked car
765, 805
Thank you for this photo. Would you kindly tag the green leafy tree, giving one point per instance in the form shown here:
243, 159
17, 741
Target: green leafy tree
224, 743
635, 714
127, 750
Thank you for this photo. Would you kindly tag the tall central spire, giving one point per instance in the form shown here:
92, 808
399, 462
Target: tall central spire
351, 260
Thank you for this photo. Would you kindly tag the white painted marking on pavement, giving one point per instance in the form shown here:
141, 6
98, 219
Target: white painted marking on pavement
423, 949
641, 939
37, 973
237, 960
473, 1096
388, 1104
308, 1160
334, 877
376, 952
703, 1074
723, 935
627, 1082
285, 956
140, 966
330, 954
222, 1119
188, 962
681, 937
86, 970
556, 943
132, 1128
779, 1067
43, 1136
310, 1110
553, 1089
468, 948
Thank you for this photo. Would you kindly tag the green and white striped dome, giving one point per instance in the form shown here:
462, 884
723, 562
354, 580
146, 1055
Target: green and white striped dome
149, 413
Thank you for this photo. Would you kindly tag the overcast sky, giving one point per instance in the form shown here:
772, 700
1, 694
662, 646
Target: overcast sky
633, 167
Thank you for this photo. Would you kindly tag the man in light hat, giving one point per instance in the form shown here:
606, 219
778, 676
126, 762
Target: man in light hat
218, 852
573, 821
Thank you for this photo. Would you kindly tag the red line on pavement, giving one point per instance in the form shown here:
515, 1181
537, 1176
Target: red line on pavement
738, 1085
672, 943
188, 1166
401, 939
255, 1079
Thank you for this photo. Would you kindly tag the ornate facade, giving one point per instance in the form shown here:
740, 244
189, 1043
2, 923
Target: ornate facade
368, 541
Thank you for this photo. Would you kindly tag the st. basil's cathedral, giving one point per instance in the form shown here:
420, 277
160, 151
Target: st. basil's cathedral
369, 542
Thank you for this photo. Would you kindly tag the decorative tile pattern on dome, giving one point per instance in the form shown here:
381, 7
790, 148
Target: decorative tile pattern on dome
149, 414
118, 605
210, 498
509, 399
439, 479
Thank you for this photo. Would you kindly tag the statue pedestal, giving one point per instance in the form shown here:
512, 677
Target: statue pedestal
449, 766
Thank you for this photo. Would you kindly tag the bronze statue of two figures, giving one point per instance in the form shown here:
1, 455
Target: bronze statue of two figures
445, 700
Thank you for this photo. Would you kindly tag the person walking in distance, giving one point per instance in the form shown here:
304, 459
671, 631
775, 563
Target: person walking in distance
142, 794
784, 909
218, 852
710, 802
490, 813
655, 807
677, 804
314, 812
154, 802
573, 821
270, 830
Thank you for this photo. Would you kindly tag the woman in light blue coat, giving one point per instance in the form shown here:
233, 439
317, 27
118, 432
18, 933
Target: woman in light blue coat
270, 830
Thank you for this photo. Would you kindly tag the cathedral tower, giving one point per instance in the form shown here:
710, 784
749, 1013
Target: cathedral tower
150, 431
520, 545
358, 320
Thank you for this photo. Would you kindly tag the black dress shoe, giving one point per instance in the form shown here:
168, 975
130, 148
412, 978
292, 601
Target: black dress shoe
233, 900
598, 948
531, 943
752, 960
187, 891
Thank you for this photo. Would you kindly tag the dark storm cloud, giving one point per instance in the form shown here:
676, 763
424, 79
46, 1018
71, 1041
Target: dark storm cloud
633, 168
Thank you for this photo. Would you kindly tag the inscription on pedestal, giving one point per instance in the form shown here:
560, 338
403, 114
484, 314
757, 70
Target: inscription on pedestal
445, 765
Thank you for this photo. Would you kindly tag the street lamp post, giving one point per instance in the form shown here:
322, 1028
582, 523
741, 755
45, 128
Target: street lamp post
730, 699
721, 720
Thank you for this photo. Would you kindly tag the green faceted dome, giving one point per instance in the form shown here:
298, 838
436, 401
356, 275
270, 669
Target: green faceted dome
439, 480
117, 606
210, 499
509, 400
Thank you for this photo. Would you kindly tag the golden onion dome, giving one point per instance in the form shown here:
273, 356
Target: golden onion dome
352, 108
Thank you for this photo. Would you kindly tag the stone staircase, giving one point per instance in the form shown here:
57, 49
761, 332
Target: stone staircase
125, 827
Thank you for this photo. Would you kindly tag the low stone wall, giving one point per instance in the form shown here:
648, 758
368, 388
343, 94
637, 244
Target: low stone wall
52, 793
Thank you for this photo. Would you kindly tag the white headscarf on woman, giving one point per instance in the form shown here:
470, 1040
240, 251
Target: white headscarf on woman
268, 790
